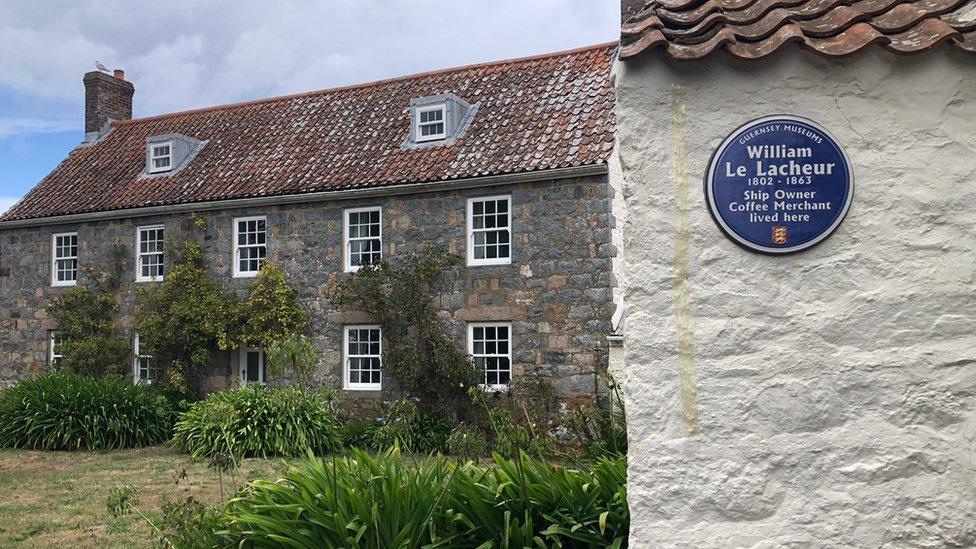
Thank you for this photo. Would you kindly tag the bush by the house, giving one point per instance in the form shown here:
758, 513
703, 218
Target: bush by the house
410, 428
67, 412
380, 502
258, 421
467, 442
358, 433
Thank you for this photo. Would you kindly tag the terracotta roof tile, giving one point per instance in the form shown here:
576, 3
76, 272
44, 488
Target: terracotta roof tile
753, 29
539, 113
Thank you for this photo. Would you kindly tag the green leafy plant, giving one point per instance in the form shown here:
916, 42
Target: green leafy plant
425, 362
68, 412
293, 353
528, 502
270, 313
88, 337
359, 433
602, 431
190, 315
408, 427
513, 427
190, 524
467, 442
381, 502
183, 320
258, 421
119, 502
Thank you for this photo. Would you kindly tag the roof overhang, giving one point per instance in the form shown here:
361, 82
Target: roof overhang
325, 196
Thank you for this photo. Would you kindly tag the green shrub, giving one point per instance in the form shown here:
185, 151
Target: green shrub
512, 437
257, 421
603, 430
406, 426
67, 412
381, 502
467, 442
525, 500
190, 524
358, 433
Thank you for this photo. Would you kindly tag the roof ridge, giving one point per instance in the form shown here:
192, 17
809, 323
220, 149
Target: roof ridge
373, 83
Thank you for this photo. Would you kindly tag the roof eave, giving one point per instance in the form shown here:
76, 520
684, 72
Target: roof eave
323, 196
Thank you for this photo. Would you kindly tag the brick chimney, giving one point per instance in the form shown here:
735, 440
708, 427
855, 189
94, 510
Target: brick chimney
107, 97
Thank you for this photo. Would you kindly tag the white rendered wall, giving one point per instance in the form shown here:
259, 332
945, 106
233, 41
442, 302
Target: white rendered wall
824, 399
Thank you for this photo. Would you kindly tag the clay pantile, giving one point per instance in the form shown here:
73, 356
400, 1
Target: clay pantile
753, 29
538, 113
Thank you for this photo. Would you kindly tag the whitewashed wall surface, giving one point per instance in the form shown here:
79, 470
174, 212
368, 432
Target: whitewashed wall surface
824, 399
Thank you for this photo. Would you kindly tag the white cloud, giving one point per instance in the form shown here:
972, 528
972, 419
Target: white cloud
6, 202
196, 54
16, 126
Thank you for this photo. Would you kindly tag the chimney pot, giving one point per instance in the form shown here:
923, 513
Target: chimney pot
120, 74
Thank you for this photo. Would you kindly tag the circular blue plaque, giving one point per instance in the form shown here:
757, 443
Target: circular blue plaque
779, 185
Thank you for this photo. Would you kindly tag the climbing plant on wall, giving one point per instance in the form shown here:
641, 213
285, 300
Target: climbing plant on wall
190, 315
183, 320
418, 353
88, 338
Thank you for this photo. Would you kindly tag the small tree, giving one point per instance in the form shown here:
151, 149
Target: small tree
419, 355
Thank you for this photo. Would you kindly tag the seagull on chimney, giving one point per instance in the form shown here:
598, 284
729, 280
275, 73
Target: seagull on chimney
100, 66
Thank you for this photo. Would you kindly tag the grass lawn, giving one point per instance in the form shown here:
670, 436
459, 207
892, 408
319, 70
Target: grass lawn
57, 499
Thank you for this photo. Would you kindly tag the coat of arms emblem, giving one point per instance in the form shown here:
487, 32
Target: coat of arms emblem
780, 235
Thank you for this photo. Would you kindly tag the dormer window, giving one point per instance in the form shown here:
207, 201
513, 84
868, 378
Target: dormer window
431, 123
167, 155
438, 120
161, 157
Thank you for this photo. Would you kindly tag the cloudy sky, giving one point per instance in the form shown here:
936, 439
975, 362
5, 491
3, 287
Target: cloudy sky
197, 53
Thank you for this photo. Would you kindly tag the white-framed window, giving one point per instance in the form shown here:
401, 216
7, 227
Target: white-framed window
363, 349
250, 245
363, 231
64, 259
54, 352
160, 157
431, 123
150, 253
252, 365
490, 230
143, 367
490, 345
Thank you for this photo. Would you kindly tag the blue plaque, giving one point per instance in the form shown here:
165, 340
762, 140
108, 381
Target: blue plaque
779, 185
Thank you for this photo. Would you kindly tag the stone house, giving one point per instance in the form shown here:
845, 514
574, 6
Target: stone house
817, 399
505, 164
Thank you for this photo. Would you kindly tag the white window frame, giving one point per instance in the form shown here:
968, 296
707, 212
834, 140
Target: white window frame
140, 254
262, 366
237, 246
347, 241
53, 356
347, 383
419, 137
137, 363
153, 157
472, 262
511, 344
55, 259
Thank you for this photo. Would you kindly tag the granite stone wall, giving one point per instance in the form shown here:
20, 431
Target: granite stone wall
825, 399
558, 291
